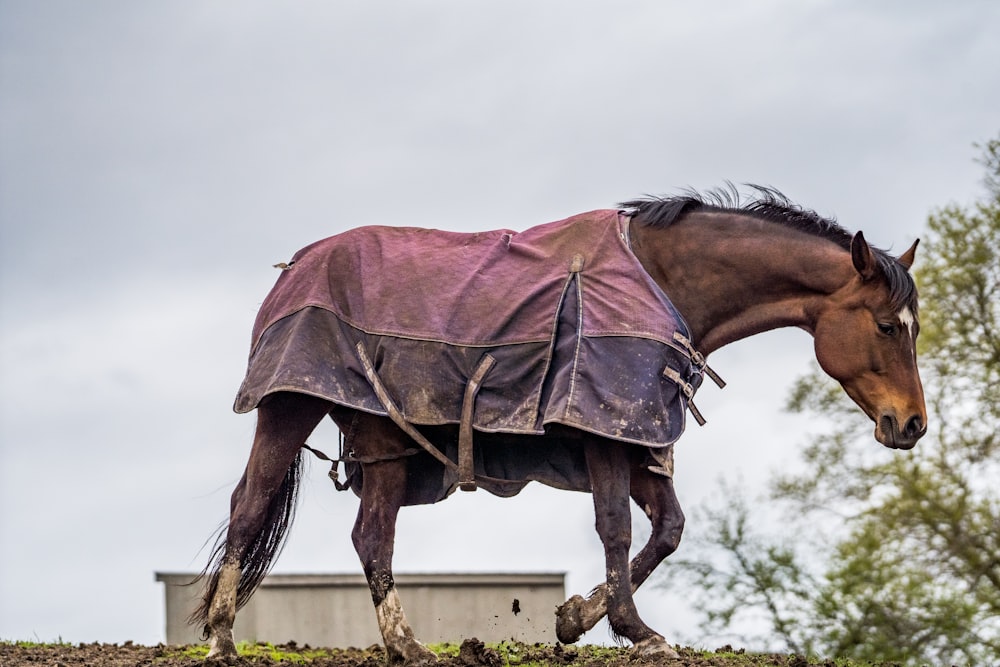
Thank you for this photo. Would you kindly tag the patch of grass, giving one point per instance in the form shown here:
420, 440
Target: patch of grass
516, 654
445, 649
741, 657
194, 651
289, 653
26, 643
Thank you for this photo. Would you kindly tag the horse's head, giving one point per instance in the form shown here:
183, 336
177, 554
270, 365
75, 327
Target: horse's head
865, 338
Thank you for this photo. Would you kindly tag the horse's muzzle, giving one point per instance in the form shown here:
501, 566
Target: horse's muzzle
889, 433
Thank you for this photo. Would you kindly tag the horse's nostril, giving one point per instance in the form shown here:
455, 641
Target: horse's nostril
914, 427
887, 424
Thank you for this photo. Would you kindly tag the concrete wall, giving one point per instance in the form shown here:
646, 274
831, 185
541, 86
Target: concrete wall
335, 610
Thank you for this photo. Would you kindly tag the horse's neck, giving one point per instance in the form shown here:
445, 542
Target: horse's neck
736, 278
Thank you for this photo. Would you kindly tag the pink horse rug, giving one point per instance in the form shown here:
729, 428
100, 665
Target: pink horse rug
556, 324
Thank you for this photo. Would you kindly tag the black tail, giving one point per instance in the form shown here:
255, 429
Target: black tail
262, 551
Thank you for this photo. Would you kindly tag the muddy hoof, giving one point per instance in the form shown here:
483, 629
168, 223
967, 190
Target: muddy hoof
222, 647
569, 624
413, 655
655, 647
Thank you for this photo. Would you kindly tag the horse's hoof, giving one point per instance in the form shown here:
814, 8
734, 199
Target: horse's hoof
655, 647
221, 646
421, 657
412, 655
569, 624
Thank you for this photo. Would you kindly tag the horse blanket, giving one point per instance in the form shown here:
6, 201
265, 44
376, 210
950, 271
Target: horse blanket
579, 333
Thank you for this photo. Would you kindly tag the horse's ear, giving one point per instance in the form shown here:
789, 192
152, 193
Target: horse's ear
862, 256
906, 259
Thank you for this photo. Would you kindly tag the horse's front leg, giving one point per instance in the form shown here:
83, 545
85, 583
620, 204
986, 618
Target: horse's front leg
655, 494
382, 494
608, 465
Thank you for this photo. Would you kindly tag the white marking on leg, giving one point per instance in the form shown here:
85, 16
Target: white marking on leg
222, 612
397, 634
391, 620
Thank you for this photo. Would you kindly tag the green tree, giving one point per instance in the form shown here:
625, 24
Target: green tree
908, 542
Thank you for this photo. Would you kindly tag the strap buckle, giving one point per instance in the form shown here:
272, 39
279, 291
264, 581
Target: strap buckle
698, 359
688, 390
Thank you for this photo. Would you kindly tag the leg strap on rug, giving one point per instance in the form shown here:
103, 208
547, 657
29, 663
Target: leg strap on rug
395, 414
334, 473
466, 466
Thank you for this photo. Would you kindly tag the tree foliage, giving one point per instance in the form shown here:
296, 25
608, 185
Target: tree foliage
910, 540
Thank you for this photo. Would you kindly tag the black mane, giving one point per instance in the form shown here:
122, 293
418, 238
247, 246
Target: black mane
767, 203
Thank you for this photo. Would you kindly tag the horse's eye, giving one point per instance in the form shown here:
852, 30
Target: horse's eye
887, 329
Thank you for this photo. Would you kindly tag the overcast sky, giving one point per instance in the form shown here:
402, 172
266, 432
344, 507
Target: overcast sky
157, 158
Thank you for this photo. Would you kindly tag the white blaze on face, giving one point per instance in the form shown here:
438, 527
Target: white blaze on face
906, 319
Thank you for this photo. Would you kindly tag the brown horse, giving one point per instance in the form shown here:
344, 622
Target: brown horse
555, 387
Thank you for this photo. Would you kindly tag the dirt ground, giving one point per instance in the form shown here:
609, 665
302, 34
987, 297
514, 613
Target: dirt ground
471, 653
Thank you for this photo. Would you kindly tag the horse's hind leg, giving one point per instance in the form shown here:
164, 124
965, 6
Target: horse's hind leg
261, 509
383, 492
655, 494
